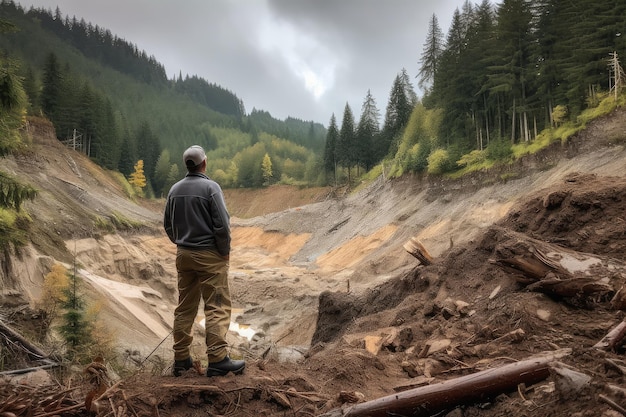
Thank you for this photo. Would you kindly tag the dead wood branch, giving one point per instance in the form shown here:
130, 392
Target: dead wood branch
617, 365
432, 399
618, 302
613, 338
203, 388
33, 351
415, 248
613, 404
30, 369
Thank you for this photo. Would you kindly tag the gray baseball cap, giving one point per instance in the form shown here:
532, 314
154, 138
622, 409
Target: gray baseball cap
193, 156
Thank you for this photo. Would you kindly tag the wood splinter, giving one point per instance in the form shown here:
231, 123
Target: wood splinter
415, 248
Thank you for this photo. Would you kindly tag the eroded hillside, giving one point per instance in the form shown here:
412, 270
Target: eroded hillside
335, 273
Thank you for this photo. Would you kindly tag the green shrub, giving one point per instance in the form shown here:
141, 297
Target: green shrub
439, 162
499, 150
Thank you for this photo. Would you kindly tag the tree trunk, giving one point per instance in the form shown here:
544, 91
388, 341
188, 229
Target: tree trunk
32, 351
513, 123
480, 386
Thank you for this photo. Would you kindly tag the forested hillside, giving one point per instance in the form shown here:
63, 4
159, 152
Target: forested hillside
117, 102
506, 79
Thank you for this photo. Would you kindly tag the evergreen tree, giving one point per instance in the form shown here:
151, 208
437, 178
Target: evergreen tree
553, 55
68, 112
106, 146
330, 149
75, 328
161, 171
513, 75
449, 91
127, 157
51, 89
31, 88
172, 178
346, 143
433, 48
149, 149
398, 112
367, 132
409, 91
475, 59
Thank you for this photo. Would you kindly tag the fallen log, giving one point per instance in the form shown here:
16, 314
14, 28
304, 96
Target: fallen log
480, 386
571, 287
32, 351
556, 270
613, 338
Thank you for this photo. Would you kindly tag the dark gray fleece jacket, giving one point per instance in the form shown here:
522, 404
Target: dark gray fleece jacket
196, 216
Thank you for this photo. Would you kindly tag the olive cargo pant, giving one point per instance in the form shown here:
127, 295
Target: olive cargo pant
202, 274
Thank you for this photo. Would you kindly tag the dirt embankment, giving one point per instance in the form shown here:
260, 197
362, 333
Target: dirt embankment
335, 273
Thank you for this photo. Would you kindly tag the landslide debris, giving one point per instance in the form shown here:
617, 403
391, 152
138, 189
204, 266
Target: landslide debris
462, 314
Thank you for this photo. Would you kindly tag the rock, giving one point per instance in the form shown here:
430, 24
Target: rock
543, 314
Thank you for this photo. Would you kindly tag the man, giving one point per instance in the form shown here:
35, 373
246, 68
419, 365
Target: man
197, 221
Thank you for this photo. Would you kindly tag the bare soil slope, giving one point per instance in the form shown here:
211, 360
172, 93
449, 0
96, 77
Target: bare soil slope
331, 280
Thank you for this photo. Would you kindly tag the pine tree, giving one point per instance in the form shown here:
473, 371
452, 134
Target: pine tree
149, 149
330, 148
172, 178
367, 132
31, 88
475, 59
433, 48
127, 156
515, 70
408, 89
161, 172
398, 112
75, 328
51, 89
346, 154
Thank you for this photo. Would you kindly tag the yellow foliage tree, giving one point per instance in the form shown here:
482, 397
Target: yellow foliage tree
266, 167
138, 178
53, 293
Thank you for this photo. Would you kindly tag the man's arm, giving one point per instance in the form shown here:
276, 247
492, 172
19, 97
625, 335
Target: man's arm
221, 224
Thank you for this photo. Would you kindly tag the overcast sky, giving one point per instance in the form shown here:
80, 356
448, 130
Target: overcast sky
299, 58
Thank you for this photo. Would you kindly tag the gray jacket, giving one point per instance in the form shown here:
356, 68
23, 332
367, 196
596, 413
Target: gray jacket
196, 216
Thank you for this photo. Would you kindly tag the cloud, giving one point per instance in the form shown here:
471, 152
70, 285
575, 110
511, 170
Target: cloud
299, 58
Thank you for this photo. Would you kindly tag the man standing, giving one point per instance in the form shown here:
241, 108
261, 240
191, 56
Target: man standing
197, 221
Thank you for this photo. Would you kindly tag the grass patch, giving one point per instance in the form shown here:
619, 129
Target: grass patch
509, 176
14, 227
129, 190
116, 222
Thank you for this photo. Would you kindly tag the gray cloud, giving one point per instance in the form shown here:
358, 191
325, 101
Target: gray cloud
265, 51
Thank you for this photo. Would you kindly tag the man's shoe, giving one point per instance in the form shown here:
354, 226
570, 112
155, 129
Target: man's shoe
182, 366
225, 366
